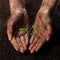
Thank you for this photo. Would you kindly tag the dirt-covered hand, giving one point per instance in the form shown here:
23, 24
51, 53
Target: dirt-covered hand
43, 32
18, 38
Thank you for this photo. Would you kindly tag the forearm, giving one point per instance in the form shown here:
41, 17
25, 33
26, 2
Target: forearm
47, 5
16, 5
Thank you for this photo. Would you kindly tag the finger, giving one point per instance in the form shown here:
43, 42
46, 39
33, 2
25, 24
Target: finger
9, 30
19, 42
20, 45
30, 47
10, 26
37, 40
31, 40
34, 41
48, 26
23, 42
20, 33
40, 43
33, 49
49, 32
10, 23
14, 43
21, 50
38, 46
33, 45
26, 38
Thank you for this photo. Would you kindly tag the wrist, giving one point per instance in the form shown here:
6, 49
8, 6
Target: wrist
20, 10
43, 13
44, 10
47, 5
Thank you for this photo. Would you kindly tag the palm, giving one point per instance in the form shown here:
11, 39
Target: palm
43, 32
18, 38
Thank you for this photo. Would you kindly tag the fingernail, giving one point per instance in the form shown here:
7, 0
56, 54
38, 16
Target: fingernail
16, 49
21, 51
31, 52
47, 39
9, 37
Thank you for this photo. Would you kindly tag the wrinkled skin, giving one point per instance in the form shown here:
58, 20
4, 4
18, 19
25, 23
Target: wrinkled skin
43, 32
17, 38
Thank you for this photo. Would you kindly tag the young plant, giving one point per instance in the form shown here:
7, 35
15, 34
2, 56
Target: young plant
25, 30
35, 26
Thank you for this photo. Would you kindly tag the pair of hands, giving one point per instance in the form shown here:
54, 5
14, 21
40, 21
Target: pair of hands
20, 40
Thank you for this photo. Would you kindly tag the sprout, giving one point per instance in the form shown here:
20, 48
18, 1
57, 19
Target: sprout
33, 34
35, 26
26, 30
23, 29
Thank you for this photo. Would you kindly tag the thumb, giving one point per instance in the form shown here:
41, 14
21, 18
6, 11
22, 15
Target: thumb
9, 29
48, 32
10, 23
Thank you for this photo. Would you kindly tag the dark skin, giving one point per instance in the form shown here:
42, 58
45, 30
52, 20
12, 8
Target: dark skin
19, 18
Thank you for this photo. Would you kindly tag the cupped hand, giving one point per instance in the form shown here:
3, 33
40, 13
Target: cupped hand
43, 32
18, 38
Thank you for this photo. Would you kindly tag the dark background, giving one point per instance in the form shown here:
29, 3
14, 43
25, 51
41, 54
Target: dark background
49, 51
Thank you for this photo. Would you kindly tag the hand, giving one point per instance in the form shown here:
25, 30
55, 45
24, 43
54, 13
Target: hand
18, 38
43, 32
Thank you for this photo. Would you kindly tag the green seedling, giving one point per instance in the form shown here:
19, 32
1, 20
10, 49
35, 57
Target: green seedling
26, 30
35, 26
33, 34
23, 30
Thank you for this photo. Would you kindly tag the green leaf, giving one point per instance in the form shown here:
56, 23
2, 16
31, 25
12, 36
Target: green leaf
33, 34
23, 29
35, 26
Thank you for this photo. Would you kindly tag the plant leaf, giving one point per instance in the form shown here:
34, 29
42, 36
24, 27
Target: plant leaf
33, 34
35, 26
23, 29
